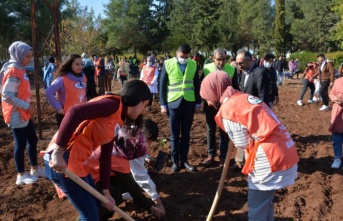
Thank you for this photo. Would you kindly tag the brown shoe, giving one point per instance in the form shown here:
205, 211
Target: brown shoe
209, 161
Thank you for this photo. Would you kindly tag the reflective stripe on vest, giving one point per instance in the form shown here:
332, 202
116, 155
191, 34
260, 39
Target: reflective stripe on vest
208, 68
180, 84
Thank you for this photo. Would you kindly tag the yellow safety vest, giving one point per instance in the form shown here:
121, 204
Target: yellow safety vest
208, 68
180, 84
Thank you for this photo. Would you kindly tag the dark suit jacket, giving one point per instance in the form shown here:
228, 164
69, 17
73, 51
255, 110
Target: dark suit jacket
258, 83
164, 87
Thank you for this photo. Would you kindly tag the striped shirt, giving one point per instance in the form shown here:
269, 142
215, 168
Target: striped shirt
261, 178
10, 95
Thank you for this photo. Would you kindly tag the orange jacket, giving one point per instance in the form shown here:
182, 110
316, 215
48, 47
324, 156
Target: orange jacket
75, 92
24, 93
148, 74
264, 127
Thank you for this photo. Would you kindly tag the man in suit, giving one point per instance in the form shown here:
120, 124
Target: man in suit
255, 80
179, 99
219, 64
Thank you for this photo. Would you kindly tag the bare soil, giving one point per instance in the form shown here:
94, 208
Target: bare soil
316, 195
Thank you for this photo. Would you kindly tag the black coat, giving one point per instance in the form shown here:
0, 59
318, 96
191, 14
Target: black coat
258, 83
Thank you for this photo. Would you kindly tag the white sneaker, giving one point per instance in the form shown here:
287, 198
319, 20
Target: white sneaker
300, 103
40, 172
127, 196
310, 101
324, 108
314, 99
25, 179
336, 163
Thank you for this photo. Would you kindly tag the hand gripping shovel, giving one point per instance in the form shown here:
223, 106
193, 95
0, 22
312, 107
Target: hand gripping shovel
95, 193
221, 182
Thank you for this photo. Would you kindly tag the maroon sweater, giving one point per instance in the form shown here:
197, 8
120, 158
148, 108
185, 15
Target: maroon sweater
91, 110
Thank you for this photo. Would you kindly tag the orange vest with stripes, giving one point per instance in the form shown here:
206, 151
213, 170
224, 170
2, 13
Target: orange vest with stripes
148, 74
75, 92
24, 93
265, 129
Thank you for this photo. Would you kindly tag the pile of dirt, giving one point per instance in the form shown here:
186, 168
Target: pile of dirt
316, 195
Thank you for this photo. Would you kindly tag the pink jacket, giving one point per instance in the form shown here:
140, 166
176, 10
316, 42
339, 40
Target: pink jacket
337, 110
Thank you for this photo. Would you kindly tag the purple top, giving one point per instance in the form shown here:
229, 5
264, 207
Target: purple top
91, 110
292, 66
57, 86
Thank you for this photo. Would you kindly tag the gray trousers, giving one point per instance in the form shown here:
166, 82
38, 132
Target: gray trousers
260, 203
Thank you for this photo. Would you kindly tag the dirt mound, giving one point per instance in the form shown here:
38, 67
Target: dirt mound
316, 195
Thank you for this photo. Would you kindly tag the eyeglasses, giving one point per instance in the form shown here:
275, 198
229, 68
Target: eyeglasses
240, 63
220, 59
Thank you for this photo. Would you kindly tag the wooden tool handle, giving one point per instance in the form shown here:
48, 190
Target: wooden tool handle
95, 193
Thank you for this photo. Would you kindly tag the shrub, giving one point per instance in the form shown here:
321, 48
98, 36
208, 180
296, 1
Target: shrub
306, 57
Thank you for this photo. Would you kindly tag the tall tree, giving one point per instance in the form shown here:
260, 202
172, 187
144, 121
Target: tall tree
337, 30
279, 28
311, 22
79, 30
129, 24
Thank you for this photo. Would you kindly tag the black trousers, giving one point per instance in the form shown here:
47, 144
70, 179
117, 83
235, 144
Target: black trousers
122, 183
307, 84
210, 113
324, 91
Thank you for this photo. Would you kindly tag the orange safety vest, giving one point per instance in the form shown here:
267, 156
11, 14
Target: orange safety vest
75, 92
24, 93
148, 74
89, 135
118, 164
264, 127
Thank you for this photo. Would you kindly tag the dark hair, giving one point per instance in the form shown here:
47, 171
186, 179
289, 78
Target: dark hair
150, 129
321, 55
184, 48
268, 56
247, 54
134, 92
66, 65
51, 59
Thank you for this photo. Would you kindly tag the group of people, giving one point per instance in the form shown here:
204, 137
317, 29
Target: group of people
104, 140
319, 77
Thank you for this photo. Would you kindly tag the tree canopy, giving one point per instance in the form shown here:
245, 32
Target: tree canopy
161, 25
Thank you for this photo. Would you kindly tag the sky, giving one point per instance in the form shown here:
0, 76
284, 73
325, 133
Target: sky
97, 5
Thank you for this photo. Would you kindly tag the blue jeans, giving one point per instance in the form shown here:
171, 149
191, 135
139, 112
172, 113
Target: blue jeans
210, 113
85, 203
180, 120
337, 140
260, 203
280, 76
25, 137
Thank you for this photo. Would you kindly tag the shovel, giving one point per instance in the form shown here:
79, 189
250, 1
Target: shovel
95, 193
160, 161
221, 182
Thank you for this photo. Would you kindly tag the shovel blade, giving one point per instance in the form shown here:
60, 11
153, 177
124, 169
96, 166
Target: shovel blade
160, 161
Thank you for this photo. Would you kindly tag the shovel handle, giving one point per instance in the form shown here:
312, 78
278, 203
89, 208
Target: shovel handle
221, 182
95, 193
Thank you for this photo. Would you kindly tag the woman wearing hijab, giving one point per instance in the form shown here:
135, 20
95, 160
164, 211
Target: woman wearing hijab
271, 156
17, 111
48, 71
